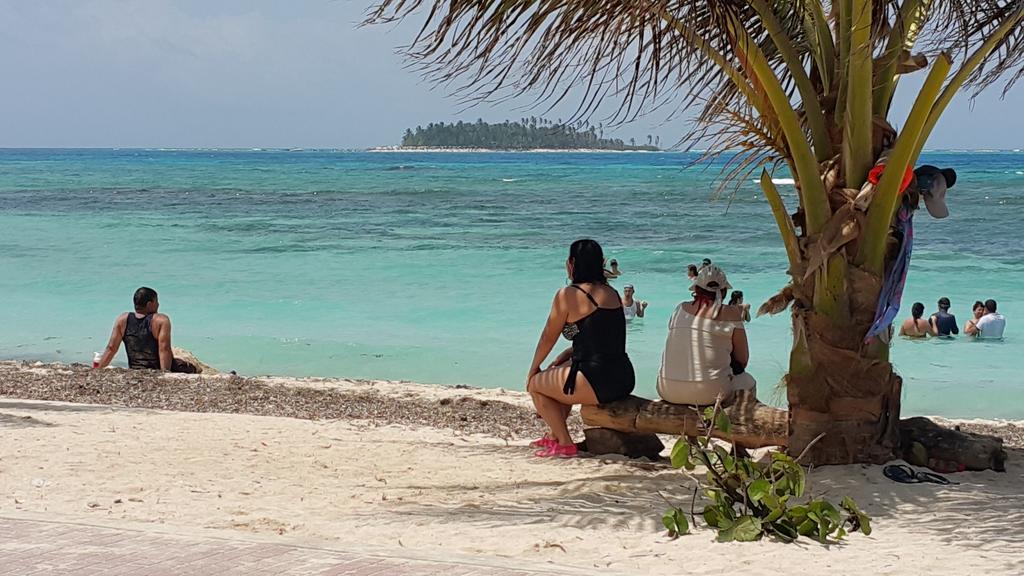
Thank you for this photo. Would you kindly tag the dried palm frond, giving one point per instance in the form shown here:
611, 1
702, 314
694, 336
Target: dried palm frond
777, 303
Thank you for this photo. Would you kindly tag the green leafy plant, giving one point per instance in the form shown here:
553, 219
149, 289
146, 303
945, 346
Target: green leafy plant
747, 500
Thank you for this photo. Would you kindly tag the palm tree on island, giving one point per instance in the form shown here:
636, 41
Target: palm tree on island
525, 134
807, 86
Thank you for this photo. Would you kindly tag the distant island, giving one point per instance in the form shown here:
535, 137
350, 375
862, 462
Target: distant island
527, 134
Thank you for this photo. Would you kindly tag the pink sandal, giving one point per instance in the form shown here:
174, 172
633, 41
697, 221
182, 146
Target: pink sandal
556, 450
544, 442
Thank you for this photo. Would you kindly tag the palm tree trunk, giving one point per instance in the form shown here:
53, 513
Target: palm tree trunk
839, 386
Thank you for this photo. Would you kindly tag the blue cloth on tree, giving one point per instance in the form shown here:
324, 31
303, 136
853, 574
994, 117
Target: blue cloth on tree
892, 290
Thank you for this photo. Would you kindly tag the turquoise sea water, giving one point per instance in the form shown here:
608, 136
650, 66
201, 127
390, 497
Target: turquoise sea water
440, 267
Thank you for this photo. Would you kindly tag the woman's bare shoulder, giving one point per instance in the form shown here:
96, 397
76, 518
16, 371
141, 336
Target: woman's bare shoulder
606, 296
566, 294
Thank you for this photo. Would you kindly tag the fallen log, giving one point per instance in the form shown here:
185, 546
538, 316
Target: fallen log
752, 424
925, 443
756, 425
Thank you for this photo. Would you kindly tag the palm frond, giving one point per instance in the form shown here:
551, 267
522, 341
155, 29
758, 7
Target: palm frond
959, 27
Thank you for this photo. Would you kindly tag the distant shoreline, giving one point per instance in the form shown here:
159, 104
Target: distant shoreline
321, 150
503, 150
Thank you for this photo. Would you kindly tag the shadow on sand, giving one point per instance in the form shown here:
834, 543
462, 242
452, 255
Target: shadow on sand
13, 421
984, 509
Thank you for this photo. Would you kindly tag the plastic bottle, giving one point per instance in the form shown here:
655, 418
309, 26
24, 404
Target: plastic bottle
96, 357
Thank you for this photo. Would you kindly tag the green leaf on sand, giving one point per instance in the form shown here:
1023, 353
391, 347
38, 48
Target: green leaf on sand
746, 529
675, 522
681, 453
758, 490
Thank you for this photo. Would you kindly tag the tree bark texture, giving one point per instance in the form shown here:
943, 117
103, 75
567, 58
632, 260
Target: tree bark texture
753, 425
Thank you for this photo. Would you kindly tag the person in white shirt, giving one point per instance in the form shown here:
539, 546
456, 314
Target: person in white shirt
990, 326
706, 352
632, 308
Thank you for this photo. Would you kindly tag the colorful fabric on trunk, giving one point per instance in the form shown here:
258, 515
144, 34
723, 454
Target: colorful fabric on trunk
892, 290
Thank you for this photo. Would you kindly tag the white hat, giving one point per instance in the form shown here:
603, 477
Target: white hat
711, 278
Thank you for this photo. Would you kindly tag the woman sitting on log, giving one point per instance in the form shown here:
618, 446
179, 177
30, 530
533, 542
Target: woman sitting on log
595, 369
706, 351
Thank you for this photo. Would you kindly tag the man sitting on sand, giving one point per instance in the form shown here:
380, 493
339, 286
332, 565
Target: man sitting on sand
147, 337
943, 323
991, 325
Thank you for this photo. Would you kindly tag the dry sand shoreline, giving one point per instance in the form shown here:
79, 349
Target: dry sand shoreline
429, 475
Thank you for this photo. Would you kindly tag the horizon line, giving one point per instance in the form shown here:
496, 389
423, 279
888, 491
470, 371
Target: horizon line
370, 148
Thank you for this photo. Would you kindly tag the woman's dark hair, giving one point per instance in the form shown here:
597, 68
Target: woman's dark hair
737, 295
917, 310
587, 262
977, 304
691, 269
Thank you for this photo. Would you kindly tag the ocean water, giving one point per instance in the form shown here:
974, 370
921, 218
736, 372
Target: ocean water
440, 267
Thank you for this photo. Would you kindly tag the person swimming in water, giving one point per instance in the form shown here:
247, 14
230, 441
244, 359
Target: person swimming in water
613, 271
915, 327
978, 310
691, 272
943, 323
632, 308
147, 337
736, 299
991, 325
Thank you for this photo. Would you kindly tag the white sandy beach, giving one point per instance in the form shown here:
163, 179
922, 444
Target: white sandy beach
438, 494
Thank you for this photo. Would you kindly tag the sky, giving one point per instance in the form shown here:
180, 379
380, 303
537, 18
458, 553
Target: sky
262, 73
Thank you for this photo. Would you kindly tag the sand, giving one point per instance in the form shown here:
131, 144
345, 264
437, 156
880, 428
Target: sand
435, 491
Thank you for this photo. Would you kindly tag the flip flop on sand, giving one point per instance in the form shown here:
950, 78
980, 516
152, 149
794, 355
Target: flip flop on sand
906, 475
900, 473
934, 478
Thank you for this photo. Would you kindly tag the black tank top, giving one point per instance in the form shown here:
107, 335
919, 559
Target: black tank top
597, 337
139, 343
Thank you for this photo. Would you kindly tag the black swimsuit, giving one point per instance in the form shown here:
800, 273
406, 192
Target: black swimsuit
599, 351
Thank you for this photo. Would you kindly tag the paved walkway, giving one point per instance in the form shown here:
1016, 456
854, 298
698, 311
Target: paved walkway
34, 547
